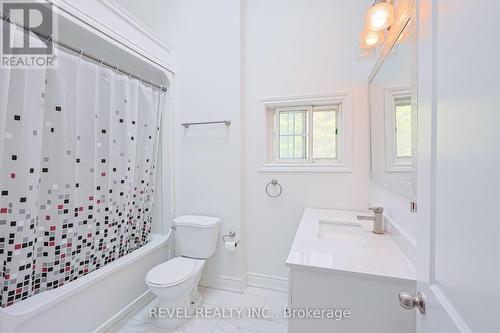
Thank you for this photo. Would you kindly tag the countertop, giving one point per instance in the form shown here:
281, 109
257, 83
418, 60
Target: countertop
377, 256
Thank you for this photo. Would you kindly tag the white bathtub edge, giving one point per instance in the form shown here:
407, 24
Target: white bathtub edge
12, 316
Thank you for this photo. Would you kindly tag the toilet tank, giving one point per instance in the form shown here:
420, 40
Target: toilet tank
196, 236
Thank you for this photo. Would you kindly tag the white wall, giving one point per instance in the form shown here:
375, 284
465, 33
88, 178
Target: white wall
206, 38
208, 158
299, 47
226, 62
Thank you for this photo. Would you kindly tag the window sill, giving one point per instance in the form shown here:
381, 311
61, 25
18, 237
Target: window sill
305, 167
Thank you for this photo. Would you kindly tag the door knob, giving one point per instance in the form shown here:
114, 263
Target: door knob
409, 302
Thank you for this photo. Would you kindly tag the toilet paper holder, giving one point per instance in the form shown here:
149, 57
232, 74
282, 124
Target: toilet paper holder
230, 244
229, 236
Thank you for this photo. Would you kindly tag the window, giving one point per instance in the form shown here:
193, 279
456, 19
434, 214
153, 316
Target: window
403, 128
306, 134
398, 131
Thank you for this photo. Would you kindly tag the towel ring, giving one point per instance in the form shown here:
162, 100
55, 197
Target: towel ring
275, 183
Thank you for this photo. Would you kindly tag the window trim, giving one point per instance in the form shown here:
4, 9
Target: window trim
393, 162
266, 130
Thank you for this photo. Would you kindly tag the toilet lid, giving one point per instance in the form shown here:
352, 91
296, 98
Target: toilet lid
172, 272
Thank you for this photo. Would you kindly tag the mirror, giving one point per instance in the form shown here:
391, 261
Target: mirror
393, 117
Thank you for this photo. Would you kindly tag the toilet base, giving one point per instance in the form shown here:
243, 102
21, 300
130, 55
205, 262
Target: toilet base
177, 312
174, 313
176, 304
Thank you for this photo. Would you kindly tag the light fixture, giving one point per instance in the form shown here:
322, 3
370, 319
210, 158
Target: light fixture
371, 39
380, 16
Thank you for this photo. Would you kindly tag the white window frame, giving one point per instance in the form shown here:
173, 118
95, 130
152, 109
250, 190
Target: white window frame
393, 162
267, 128
337, 108
308, 133
275, 136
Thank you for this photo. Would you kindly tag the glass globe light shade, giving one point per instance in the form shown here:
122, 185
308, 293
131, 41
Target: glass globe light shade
370, 38
380, 16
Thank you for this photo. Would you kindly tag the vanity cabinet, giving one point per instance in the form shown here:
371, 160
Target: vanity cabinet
357, 275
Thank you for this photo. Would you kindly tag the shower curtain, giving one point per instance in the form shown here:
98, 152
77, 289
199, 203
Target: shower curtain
78, 148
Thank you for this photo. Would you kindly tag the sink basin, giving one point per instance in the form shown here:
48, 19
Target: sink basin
341, 231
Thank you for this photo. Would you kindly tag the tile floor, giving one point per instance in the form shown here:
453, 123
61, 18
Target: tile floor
274, 301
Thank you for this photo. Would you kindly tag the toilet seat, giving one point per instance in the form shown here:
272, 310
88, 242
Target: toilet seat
172, 272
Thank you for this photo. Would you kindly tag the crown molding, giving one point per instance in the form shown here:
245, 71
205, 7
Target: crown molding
162, 56
137, 23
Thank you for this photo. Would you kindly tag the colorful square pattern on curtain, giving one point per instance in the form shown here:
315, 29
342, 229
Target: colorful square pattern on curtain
78, 148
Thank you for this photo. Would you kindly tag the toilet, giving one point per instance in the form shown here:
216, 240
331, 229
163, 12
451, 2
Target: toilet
175, 282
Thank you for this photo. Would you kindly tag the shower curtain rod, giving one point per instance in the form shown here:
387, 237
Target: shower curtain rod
82, 52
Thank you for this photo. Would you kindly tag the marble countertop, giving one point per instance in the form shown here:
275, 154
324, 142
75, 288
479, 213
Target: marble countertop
376, 255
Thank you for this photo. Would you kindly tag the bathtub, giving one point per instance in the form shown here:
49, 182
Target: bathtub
94, 302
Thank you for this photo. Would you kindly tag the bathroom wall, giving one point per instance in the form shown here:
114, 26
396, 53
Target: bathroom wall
294, 48
208, 158
229, 54
206, 39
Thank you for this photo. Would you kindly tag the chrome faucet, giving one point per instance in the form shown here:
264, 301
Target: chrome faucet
376, 218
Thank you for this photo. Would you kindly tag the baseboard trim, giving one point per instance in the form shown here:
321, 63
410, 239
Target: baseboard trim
248, 279
267, 282
224, 282
125, 314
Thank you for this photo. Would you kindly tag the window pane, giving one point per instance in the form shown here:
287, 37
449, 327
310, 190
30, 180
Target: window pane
292, 147
284, 120
403, 129
292, 141
300, 147
292, 123
324, 137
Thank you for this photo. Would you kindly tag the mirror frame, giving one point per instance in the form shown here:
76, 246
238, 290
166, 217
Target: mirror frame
406, 19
